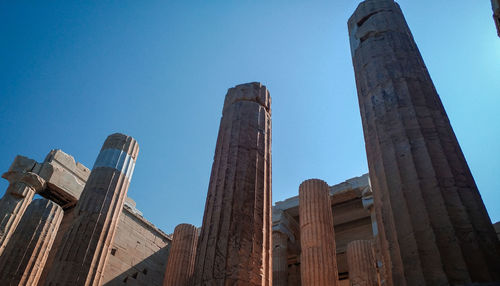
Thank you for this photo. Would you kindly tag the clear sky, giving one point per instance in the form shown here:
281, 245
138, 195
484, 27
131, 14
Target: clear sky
73, 72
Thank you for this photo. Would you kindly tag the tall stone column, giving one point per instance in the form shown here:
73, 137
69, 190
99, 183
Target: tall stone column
85, 247
23, 184
433, 224
25, 255
235, 241
361, 263
280, 258
318, 262
180, 264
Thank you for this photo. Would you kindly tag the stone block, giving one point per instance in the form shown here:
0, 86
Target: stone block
65, 178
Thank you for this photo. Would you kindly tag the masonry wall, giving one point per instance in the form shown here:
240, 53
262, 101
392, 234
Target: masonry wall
139, 252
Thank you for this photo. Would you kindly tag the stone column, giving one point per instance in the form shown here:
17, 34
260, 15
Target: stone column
433, 224
180, 264
23, 184
280, 259
318, 262
24, 257
361, 263
235, 240
367, 200
85, 247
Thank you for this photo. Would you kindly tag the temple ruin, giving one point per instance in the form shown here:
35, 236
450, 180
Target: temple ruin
416, 218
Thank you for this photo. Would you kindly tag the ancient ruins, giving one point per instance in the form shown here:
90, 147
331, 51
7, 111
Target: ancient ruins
416, 218
180, 264
433, 224
234, 247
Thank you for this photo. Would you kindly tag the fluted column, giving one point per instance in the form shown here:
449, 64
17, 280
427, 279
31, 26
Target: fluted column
318, 263
23, 184
85, 247
180, 264
433, 225
280, 258
367, 201
24, 257
361, 263
234, 247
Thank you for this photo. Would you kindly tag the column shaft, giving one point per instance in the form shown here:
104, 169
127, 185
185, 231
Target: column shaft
85, 247
318, 263
361, 263
180, 264
280, 258
433, 224
24, 257
23, 184
235, 241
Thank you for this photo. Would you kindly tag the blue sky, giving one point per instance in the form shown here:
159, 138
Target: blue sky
73, 73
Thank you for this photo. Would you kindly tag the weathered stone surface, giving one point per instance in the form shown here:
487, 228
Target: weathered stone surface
64, 226
84, 250
380, 267
433, 225
65, 178
234, 247
361, 261
23, 184
318, 263
280, 259
24, 257
139, 252
180, 264
496, 14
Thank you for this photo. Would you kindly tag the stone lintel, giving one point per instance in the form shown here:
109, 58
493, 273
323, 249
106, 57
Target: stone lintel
65, 178
349, 190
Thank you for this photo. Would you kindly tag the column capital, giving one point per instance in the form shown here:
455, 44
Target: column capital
30, 179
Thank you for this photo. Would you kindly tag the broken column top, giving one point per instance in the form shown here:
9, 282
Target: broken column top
122, 142
253, 92
118, 152
362, 24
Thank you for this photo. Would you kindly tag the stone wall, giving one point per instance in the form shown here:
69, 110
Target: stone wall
139, 252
